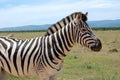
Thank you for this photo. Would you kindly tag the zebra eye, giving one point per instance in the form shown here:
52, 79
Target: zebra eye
83, 30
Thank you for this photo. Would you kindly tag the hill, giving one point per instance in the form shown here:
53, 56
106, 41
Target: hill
93, 24
26, 28
105, 23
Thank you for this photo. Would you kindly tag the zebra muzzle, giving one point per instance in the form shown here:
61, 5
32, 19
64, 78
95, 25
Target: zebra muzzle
97, 46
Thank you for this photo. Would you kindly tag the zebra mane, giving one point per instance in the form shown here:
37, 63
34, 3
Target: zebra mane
62, 23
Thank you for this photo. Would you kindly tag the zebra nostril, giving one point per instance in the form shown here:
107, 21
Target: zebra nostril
97, 46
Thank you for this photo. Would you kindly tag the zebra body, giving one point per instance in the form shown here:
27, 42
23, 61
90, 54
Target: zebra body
34, 56
25, 57
43, 56
16, 52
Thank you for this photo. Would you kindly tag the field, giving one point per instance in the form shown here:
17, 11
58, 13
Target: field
82, 63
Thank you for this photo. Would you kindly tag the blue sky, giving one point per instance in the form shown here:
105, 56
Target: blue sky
36, 12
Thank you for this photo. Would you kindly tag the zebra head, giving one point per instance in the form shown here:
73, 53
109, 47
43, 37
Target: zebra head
84, 34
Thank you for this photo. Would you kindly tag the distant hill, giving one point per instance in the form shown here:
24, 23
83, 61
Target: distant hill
93, 24
26, 28
105, 23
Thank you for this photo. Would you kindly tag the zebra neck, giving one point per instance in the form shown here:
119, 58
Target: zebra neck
63, 40
59, 25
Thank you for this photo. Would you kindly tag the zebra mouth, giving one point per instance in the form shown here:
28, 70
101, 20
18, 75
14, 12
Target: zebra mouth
97, 47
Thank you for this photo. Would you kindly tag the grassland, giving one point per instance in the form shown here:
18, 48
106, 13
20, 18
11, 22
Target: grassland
84, 64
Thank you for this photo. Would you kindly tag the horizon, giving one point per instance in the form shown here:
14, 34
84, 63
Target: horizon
29, 12
51, 23
92, 24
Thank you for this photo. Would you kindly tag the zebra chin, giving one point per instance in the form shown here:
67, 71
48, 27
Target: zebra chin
97, 46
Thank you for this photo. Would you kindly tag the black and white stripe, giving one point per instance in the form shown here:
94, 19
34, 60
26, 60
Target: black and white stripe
57, 26
43, 56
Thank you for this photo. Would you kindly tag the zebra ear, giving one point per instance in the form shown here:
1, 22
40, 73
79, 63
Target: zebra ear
79, 16
86, 13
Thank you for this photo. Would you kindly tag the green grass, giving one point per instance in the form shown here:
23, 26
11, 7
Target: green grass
84, 64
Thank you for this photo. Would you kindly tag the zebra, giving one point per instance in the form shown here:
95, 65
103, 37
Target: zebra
43, 56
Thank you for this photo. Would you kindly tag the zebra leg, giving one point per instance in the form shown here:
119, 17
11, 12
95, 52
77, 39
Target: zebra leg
53, 77
3, 75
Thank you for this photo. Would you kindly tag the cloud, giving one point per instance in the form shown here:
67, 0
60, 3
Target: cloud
39, 14
100, 3
51, 12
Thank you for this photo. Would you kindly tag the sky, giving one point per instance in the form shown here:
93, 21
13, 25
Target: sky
37, 12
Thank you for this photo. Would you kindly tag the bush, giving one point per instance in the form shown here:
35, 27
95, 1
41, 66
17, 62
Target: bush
113, 50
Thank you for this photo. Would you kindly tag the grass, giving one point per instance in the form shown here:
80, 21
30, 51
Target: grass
83, 64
